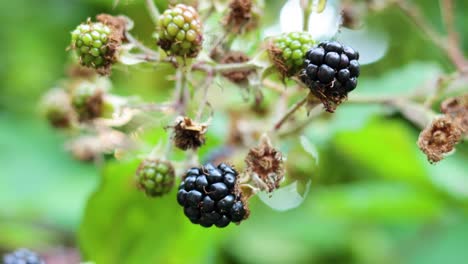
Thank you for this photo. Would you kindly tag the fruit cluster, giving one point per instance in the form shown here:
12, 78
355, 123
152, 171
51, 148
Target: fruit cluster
210, 196
180, 31
331, 71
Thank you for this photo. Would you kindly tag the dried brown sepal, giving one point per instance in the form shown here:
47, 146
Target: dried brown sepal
116, 37
189, 134
241, 16
457, 109
239, 76
439, 138
276, 56
330, 95
265, 165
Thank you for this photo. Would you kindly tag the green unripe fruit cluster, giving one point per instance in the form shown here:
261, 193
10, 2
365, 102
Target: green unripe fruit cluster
291, 49
180, 31
90, 42
155, 177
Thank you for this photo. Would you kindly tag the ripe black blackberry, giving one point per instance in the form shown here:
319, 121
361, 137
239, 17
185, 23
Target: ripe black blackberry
210, 196
23, 256
331, 71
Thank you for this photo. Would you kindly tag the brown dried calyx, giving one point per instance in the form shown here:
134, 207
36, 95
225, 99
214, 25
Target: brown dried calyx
265, 165
238, 76
439, 138
189, 134
117, 36
241, 16
457, 109
276, 56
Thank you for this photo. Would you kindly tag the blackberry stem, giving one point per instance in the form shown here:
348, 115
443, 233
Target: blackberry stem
290, 112
147, 51
153, 11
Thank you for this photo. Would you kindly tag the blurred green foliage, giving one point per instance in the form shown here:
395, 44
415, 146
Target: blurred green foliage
374, 198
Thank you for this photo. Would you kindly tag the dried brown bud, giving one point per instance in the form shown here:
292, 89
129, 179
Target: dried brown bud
265, 165
188, 133
241, 16
439, 138
239, 76
88, 101
457, 109
57, 108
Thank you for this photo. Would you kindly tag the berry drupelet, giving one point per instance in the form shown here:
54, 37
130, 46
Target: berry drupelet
330, 71
210, 196
22, 256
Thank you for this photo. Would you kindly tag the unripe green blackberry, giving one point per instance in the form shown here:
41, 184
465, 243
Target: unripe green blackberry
87, 100
287, 51
180, 31
155, 177
90, 42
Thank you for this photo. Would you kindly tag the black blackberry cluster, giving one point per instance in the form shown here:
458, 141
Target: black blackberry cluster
331, 70
210, 196
22, 256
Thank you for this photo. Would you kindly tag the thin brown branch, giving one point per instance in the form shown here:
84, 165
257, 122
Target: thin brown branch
290, 112
453, 40
453, 51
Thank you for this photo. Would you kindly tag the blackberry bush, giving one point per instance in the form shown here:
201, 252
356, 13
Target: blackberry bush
180, 31
210, 196
331, 71
155, 177
22, 256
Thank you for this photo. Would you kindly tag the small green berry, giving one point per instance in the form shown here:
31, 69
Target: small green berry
180, 31
155, 177
287, 51
87, 39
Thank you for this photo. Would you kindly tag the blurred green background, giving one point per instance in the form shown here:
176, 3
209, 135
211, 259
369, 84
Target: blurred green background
373, 199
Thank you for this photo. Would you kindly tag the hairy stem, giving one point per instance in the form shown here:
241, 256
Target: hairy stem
147, 51
453, 41
290, 112
452, 51
153, 11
